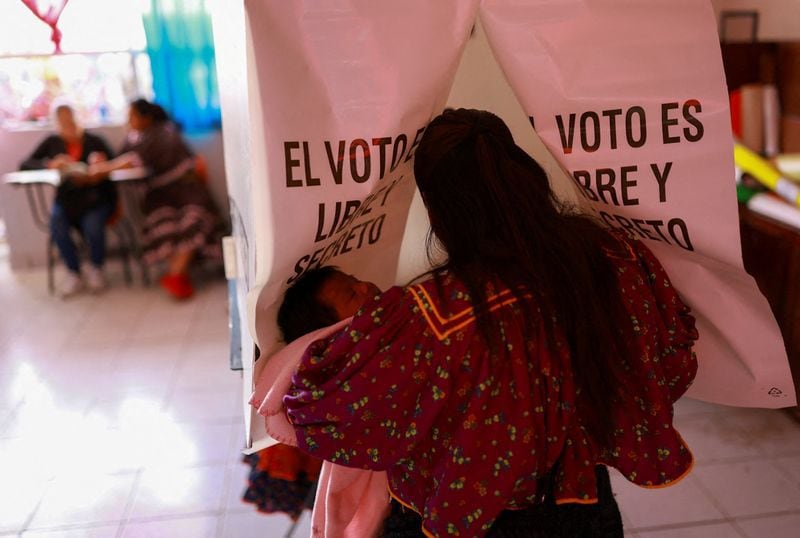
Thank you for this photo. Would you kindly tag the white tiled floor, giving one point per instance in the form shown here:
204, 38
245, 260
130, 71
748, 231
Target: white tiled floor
120, 418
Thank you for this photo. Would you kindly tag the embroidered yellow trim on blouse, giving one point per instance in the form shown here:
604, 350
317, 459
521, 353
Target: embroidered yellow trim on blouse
439, 325
467, 311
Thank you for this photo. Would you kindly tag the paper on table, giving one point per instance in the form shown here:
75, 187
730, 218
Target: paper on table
774, 207
76, 168
789, 165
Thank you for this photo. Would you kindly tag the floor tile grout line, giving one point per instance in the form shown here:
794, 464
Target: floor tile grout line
194, 465
12, 413
680, 525
73, 526
172, 383
26, 525
732, 422
714, 521
130, 502
745, 459
172, 517
81, 322
746, 433
163, 518
227, 483
766, 515
784, 470
713, 498
738, 529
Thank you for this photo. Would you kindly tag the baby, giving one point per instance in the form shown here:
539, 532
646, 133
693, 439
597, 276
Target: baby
283, 478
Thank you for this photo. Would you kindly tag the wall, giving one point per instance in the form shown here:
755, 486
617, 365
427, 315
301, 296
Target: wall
779, 20
209, 145
479, 83
27, 242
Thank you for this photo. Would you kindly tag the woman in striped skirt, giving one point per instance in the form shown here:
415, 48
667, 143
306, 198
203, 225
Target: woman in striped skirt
181, 221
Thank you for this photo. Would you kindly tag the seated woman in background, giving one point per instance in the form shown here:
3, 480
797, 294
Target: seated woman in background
181, 220
82, 202
283, 478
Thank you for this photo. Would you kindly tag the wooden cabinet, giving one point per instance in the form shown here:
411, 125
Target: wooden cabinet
771, 253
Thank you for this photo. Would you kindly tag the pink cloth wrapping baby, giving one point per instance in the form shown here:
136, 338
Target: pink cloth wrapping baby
350, 502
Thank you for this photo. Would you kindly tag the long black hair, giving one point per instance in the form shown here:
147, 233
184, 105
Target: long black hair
153, 111
493, 211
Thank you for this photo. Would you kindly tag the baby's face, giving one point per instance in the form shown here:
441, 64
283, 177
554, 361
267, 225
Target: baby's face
345, 294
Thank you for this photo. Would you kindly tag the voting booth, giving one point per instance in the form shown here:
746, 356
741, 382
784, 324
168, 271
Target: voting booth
324, 103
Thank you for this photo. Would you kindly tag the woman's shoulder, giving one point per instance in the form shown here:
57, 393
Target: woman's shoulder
630, 250
394, 302
404, 306
159, 132
95, 140
168, 133
167, 129
620, 245
440, 287
53, 139
631, 254
391, 304
444, 303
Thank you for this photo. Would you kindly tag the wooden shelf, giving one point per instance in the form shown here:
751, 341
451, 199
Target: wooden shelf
771, 254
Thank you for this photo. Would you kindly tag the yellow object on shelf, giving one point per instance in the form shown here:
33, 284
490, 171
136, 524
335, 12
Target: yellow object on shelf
789, 165
766, 174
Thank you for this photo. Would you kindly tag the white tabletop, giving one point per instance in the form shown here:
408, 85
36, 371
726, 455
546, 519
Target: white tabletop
130, 174
31, 177
53, 177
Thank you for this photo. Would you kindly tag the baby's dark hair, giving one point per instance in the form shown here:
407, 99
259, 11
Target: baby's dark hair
301, 311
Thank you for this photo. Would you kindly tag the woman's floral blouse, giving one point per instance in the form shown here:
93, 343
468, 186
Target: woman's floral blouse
463, 433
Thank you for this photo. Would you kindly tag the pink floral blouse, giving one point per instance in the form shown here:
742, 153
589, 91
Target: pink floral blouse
409, 387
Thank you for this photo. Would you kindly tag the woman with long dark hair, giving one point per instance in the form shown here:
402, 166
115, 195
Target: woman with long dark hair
181, 219
495, 391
